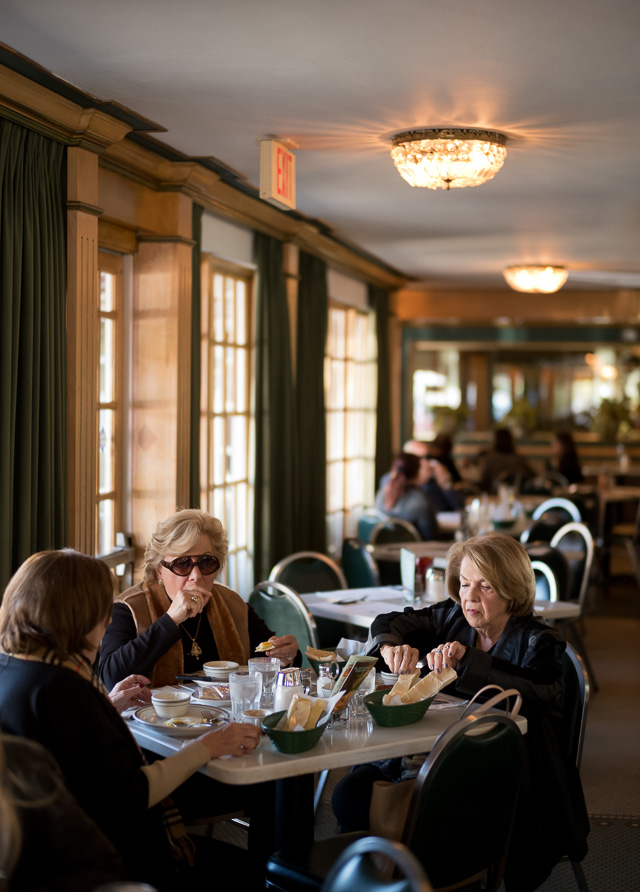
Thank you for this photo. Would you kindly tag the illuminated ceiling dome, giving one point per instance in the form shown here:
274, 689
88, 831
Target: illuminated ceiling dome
448, 159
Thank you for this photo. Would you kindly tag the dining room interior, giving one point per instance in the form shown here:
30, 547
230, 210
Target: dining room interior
220, 291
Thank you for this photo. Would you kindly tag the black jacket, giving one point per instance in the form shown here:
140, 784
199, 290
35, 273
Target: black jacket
552, 818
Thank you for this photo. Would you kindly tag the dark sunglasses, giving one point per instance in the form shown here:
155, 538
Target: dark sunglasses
182, 566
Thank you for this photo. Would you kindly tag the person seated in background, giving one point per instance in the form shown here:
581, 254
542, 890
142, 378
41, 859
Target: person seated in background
52, 619
439, 482
503, 464
488, 633
441, 448
400, 495
179, 617
46, 840
565, 457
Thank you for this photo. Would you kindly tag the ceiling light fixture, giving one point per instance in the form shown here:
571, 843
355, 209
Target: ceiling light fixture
448, 159
536, 279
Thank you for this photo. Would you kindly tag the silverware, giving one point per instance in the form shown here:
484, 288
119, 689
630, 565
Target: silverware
351, 600
210, 717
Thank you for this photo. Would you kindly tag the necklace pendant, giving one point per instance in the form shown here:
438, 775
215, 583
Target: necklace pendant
196, 650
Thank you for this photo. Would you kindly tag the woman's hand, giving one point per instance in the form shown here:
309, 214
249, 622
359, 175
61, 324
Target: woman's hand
131, 691
233, 740
285, 648
400, 659
446, 655
188, 602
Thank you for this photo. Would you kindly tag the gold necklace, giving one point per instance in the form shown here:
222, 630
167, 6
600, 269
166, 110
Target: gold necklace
196, 650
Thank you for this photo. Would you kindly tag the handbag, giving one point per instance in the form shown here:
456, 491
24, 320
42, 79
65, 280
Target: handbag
390, 801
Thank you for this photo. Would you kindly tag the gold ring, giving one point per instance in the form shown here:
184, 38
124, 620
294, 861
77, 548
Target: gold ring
194, 599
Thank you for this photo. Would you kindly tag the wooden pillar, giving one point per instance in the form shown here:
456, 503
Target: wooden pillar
82, 345
161, 380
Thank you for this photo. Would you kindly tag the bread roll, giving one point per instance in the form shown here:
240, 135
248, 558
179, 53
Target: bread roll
315, 715
298, 712
322, 656
404, 683
429, 686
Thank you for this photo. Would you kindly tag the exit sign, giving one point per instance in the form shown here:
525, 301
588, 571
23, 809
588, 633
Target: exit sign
277, 173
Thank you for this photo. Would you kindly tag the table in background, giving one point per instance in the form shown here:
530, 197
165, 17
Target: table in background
367, 603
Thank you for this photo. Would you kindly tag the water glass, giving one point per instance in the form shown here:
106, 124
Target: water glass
245, 690
268, 667
366, 686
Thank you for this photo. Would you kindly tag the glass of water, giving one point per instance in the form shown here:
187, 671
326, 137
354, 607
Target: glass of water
366, 686
268, 668
245, 689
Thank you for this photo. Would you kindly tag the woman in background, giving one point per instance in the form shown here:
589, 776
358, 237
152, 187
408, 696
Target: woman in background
565, 457
503, 464
401, 495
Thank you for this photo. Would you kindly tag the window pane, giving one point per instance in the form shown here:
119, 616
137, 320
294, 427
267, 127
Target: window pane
218, 309
219, 451
105, 451
106, 538
229, 309
230, 378
218, 379
107, 360
241, 312
241, 381
107, 292
238, 442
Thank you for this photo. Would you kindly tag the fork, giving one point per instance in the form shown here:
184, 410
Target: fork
210, 717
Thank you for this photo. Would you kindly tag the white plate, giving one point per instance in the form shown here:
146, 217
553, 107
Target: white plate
200, 701
147, 715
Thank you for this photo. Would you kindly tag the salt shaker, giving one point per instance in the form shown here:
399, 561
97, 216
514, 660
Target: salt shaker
288, 683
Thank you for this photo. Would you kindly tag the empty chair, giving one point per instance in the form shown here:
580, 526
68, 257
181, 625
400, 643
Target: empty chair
359, 568
394, 529
368, 522
551, 569
576, 543
284, 612
458, 846
548, 517
356, 869
308, 571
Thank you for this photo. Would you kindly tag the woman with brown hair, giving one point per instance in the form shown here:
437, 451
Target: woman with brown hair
52, 619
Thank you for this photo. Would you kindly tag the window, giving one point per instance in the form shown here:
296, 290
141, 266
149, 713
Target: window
350, 391
109, 408
226, 428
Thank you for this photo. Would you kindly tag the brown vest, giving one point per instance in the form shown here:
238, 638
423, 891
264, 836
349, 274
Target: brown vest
226, 613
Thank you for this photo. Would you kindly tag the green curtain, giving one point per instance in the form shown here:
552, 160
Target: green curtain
378, 299
33, 479
196, 358
275, 435
313, 308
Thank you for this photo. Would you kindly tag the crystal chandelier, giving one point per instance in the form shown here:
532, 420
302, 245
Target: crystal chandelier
536, 279
448, 159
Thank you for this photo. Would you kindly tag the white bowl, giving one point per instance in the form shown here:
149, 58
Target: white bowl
169, 704
219, 668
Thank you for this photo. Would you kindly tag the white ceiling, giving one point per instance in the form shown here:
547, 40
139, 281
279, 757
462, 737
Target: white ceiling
560, 77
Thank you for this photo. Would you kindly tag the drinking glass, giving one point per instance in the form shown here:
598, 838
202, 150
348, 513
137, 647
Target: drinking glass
366, 686
245, 690
268, 667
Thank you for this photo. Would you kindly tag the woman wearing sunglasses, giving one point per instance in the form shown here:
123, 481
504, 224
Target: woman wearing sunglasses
179, 618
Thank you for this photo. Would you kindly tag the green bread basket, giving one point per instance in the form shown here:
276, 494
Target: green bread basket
291, 742
395, 716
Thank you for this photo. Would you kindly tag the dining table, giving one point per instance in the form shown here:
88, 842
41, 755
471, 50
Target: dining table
356, 741
360, 606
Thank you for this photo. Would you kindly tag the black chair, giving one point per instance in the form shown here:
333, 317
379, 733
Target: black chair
576, 543
544, 484
548, 517
551, 570
393, 529
368, 522
358, 869
574, 706
490, 747
359, 568
308, 571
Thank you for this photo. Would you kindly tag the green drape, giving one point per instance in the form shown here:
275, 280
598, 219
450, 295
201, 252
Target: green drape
378, 299
32, 346
313, 308
196, 358
275, 434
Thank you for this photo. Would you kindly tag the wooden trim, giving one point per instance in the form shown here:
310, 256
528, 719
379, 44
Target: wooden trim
112, 237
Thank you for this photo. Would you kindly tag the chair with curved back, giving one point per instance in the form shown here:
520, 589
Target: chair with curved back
551, 570
359, 568
357, 871
368, 522
394, 529
284, 612
490, 747
308, 571
548, 517
576, 543
544, 484
574, 706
